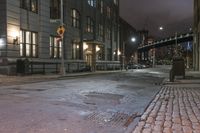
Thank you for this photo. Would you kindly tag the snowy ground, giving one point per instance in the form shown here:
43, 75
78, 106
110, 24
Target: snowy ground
105, 103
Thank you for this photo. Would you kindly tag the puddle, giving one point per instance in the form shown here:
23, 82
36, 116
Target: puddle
96, 98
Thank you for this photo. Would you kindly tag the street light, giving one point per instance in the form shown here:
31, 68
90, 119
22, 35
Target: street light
133, 39
62, 68
161, 28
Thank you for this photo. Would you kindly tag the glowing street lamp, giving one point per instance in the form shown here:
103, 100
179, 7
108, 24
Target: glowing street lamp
133, 39
161, 28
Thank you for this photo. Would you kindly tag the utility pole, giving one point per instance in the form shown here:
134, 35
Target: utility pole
62, 67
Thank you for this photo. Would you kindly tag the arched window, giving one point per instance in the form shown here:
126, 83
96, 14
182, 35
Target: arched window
75, 16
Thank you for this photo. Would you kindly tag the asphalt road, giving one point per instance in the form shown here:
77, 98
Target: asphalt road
103, 103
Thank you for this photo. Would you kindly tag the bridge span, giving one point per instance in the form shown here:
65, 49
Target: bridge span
168, 41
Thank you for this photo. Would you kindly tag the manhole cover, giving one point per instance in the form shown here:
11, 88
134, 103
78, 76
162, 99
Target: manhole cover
112, 119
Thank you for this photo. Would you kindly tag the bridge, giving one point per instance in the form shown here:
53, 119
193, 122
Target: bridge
168, 41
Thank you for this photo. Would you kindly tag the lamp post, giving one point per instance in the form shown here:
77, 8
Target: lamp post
187, 55
62, 68
133, 39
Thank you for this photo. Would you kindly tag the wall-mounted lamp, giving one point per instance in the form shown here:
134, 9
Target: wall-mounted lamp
2, 42
16, 40
119, 53
85, 46
98, 48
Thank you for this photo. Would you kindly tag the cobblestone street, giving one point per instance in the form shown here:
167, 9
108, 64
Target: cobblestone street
175, 109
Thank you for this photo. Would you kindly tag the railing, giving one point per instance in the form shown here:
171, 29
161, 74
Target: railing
38, 67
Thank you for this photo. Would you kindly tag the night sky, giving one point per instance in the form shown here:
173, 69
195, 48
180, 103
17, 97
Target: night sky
173, 15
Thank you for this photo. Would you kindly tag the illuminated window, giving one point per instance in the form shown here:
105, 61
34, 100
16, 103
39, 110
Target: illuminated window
92, 3
75, 50
55, 47
34, 5
90, 25
75, 16
28, 44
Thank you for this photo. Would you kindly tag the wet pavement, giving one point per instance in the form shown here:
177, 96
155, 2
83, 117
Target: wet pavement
102, 103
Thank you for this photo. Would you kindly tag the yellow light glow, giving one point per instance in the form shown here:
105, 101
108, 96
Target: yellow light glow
85, 46
97, 48
77, 46
14, 33
119, 53
2, 43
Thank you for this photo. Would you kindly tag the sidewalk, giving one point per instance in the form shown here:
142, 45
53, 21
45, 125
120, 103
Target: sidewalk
175, 109
13, 80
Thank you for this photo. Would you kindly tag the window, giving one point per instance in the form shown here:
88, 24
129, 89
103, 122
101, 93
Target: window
55, 9
55, 47
108, 33
109, 54
115, 2
92, 3
115, 33
101, 6
34, 5
108, 12
100, 53
24, 4
75, 18
28, 44
100, 30
90, 25
31, 5
75, 50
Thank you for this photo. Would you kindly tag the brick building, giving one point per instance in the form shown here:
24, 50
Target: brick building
28, 30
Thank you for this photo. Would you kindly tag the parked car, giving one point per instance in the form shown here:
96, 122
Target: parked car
136, 66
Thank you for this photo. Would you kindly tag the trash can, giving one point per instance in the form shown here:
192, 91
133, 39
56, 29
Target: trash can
178, 68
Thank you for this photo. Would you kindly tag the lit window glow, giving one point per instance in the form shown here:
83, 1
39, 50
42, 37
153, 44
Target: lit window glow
2, 43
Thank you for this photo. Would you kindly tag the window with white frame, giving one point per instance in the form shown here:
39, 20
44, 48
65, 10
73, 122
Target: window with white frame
28, 44
90, 25
75, 17
75, 50
55, 47
31, 5
92, 3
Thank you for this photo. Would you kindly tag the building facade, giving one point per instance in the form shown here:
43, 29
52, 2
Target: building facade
196, 41
28, 30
